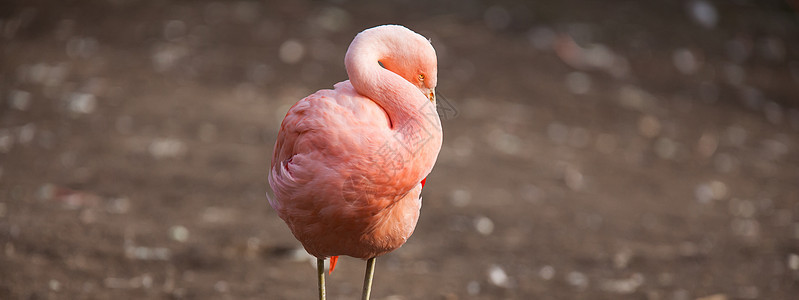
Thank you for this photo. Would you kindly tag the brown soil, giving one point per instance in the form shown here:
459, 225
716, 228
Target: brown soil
638, 155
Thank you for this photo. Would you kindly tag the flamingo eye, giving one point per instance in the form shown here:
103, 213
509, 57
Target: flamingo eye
421, 77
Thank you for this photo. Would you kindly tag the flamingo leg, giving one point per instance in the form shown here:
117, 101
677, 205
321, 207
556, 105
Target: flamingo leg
367, 280
320, 271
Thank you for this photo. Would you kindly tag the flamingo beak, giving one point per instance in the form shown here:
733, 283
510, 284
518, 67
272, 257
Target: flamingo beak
431, 95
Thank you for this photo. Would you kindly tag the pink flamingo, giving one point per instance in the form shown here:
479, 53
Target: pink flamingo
350, 163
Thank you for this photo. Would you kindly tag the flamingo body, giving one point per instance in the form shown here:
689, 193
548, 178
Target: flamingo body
349, 163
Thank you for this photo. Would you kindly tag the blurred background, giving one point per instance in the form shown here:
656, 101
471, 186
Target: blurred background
593, 149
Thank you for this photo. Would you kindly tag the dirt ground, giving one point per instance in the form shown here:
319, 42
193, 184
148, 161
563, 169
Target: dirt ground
592, 150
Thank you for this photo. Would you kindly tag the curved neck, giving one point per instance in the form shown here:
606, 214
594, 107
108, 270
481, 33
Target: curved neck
401, 100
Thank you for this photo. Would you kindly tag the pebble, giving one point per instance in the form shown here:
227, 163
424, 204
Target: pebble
752, 97
579, 137
622, 258
6, 140
498, 277
742, 208
506, 143
747, 228
167, 148
578, 83
557, 132
497, 17
484, 225
174, 30
246, 12
685, 61
82, 103
773, 112
221, 286
546, 272
736, 135
119, 205
81, 47
714, 297
147, 253
738, 49
291, 51
19, 100
725, 163
541, 37
793, 261
531, 193
635, 98
772, 48
573, 178
623, 286
179, 233
577, 279
666, 148
703, 13
54, 285
333, 19
707, 145
649, 126
473, 288
606, 143
460, 197
734, 74
26, 133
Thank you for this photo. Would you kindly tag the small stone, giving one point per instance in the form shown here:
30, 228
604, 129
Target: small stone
333, 19
649, 126
19, 100
167, 148
174, 30
579, 137
606, 143
54, 285
557, 132
737, 135
685, 61
221, 286
291, 51
703, 193
635, 98
578, 83
793, 261
707, 145
666, 148
772, 49
179, 233
497, 276
725, 163
573, 178
703, 13
773, 112
542, 38
497, 17
714, 297
473, 288
546, 272
734, 74
460, 197
82, 103
484, 225
577, 279
623, 286
622, 258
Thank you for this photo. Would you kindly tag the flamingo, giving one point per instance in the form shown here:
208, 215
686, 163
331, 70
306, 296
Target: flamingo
349, 163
